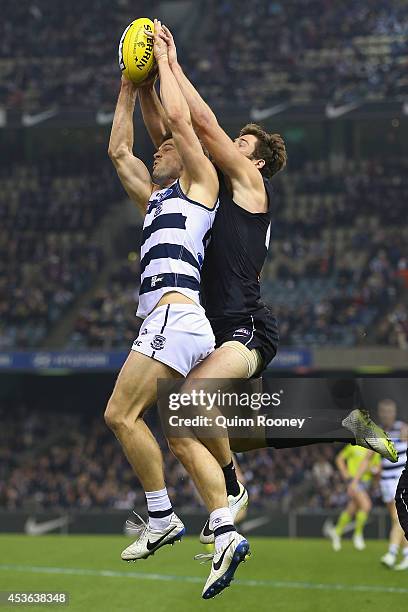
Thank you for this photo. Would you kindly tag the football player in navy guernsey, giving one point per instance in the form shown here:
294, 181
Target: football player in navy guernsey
245, 330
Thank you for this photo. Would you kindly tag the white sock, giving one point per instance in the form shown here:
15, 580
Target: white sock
159, 509
393, 549
405, 552
222, 523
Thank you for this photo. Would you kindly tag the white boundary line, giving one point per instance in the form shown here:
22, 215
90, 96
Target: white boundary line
274, 584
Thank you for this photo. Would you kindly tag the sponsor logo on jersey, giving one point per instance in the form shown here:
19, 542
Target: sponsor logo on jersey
158, 342
160, 195
155, 280
241, 332
158, 210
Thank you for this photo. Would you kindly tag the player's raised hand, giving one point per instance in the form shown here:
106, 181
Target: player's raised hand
171, 45
160, 45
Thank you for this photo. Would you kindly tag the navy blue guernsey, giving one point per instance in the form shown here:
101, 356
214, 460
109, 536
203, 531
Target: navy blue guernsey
234, 258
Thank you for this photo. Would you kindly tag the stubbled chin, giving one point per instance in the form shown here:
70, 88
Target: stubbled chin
156, 177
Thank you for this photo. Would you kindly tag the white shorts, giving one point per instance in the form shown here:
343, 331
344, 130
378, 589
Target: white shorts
388, 489
178, 335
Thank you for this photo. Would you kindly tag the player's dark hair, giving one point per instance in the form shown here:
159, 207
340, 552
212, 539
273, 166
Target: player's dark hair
167, 136
269, 147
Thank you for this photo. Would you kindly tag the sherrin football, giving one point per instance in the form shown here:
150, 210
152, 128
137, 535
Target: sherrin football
136, 57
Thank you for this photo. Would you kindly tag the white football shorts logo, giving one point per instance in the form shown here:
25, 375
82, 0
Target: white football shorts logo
241, 332
158, 342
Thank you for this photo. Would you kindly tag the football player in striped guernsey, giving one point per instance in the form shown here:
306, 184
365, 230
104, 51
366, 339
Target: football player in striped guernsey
179, 203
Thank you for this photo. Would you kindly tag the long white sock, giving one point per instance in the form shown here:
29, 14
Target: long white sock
159, 509
222, 523
393, 549
405, 552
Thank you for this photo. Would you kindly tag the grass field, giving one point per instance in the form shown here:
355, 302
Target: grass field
282, 575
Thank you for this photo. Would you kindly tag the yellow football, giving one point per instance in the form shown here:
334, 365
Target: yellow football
136, 57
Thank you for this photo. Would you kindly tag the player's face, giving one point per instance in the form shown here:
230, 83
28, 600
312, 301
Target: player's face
387, 413
167, 165
246, 144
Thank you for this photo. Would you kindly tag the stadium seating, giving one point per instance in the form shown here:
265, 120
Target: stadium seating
333, 275
79, 464
48, 213
66, 56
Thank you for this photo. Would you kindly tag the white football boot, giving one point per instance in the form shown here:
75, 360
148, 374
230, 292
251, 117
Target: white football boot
388, 560
224, 565
334, 537
149, 540
402, 565
358, 542
369, 435
236, 504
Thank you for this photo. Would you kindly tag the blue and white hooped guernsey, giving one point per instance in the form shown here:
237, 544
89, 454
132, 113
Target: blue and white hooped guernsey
175, 233
392, 471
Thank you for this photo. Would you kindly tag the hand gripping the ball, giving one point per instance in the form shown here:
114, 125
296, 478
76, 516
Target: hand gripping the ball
159, 44
171, 45
163, 32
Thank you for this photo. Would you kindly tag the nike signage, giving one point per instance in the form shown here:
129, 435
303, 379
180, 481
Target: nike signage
29, 120
334, 112
32, 527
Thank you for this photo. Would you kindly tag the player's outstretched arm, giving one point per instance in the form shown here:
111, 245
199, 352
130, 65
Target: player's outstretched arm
153, 113
132, 172
220, 146
200, 171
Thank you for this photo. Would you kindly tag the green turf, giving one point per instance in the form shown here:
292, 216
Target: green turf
282, 575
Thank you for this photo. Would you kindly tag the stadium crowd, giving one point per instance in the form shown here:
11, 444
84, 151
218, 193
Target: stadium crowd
63, 460
48, 212
337, 269
66, 57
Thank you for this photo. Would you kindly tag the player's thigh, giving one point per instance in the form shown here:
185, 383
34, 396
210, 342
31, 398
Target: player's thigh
216, 372
224, 362
136, 386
